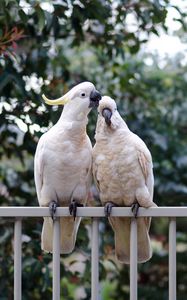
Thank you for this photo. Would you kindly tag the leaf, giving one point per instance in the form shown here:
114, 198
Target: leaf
10, 1
4, 236
41, 18
5, 78
153, 30
23, 16
28, 262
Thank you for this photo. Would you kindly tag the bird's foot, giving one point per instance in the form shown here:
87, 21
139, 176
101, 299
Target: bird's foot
52, 209
108, 208
73, 208
135, 208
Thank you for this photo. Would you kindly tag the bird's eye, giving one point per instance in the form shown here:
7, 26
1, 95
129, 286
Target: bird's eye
83, 95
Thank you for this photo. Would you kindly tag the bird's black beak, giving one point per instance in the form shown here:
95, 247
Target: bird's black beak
95, 97
107, 114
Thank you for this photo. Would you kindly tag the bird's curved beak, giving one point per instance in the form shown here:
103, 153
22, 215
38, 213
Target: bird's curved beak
95, 97
107, 114
60, 101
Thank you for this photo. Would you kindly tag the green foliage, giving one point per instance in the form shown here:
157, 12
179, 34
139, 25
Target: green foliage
48, 49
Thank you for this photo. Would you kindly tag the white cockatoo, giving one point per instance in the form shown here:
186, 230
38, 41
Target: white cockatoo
63, 162
122, 169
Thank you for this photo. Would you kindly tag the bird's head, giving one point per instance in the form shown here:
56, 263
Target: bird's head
79, 100
108, 113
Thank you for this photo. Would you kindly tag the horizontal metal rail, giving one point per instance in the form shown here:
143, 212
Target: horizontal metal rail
93, 212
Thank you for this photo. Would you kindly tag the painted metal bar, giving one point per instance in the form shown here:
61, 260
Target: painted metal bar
56, 259
172, 259
133, 260
17, 259
93, 212
95, 260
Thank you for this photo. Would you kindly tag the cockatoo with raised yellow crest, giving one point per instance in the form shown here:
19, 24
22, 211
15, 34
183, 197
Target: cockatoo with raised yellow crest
63, 162
122, 169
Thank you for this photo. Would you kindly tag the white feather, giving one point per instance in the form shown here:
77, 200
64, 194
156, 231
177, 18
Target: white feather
123, 176
63, 166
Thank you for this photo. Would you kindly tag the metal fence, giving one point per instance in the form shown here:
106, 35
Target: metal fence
19, 213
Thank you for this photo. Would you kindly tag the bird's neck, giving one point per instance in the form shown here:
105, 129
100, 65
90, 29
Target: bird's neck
73, 111
105, 132
76, 128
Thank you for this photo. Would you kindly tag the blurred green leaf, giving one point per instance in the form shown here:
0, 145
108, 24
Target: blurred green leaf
41, 18
23, 16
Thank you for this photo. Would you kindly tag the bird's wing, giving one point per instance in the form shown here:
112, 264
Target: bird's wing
39, 167
89, 172
145, 161
94, 171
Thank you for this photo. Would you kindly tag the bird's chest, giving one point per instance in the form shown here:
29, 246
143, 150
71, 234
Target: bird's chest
66, 168
116, 158
66, 155
116, 173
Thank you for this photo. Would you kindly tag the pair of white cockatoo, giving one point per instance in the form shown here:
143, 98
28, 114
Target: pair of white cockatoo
121, 164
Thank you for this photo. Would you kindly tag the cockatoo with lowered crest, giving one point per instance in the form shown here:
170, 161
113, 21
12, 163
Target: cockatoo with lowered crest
122, 169
63, 163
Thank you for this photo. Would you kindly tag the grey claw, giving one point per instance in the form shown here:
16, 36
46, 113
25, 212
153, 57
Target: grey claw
135, 208
73, 208
52, 209
108, 208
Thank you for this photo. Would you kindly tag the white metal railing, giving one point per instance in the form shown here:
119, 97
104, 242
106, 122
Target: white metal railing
95, 213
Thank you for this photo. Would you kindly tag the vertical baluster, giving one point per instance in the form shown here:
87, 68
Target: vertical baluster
17, 259
172, 259
95, 260
56, 259
133, 260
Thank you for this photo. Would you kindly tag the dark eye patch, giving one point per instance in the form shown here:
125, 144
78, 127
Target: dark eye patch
83, 94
